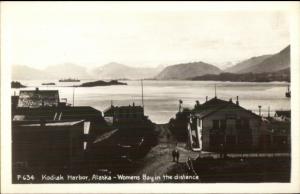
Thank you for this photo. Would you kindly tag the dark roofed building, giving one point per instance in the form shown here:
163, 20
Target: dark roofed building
55, 146
125, 112
284, 115
59, 113
38, 98
218, 123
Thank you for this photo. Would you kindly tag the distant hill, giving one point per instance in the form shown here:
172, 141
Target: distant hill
187, 70
119, 71
281, 75
244, 65
22, 72
265, 63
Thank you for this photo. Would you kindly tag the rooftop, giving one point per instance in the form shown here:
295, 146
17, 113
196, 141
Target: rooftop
285, 113
38, 98
215, 104
54, 124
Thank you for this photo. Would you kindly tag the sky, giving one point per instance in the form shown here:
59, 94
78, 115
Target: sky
140, 35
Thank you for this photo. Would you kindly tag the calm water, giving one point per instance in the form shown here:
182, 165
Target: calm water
161, 97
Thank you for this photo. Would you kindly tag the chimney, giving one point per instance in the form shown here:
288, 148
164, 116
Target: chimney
197, 104
206, 98
237, 100
36, 89
259, 110
180, 106
133, 104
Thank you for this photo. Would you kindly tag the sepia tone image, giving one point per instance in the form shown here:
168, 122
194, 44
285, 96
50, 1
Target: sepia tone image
125, 94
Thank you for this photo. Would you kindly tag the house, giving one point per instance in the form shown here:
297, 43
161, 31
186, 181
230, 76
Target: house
43, 108
218, 124
136, 133
283, 115
91, 117
55, 145
275, 134
38, 98
121, 113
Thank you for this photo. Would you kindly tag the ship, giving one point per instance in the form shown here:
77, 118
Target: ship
288, 92
69, 80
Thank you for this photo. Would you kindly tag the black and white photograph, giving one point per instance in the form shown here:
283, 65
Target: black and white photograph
155, 93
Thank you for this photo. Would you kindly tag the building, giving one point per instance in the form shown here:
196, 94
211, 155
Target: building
283, 115
125, 112
136, 133
38, 98
219, 124
41, 122
52, 146
276, 134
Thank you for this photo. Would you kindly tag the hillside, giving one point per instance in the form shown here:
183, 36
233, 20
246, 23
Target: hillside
281, 75
265, 63
274, 63
120, 71
242, 66
187, 70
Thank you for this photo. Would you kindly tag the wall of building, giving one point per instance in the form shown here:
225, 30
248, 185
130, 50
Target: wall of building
230, 117
55, 147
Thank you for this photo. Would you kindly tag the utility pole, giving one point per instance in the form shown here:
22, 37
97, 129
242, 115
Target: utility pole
142, 93
215, 90
73, 94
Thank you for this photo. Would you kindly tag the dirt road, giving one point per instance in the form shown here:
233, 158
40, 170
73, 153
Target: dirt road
159, 160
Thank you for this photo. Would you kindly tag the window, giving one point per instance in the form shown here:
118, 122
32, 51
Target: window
223, 124
200, 123
215, 124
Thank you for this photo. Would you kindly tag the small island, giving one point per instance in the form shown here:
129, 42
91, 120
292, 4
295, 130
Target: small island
102, 83
16, 84
48, 84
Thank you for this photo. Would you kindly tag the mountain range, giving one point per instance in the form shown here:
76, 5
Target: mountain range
264, 63
119, 71
259, 64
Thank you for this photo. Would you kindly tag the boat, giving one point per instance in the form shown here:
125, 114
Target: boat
48, 84
288, 93
69, 80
